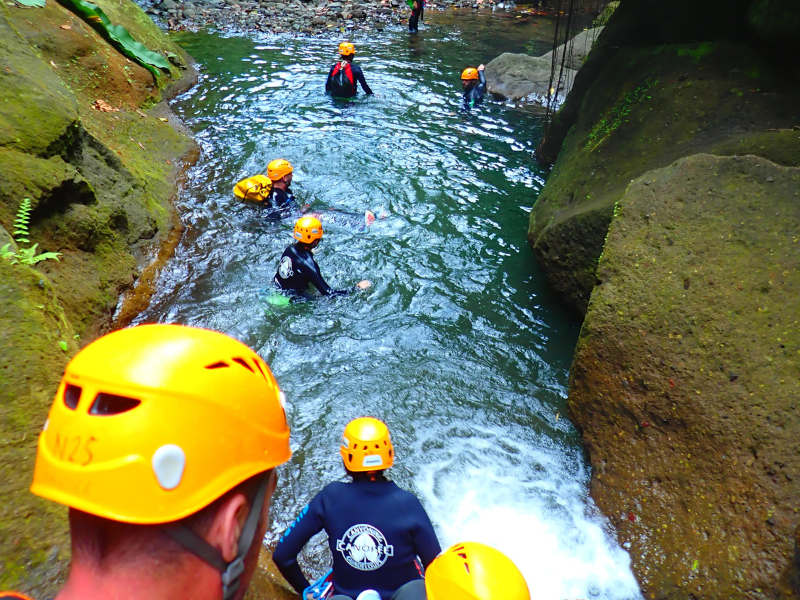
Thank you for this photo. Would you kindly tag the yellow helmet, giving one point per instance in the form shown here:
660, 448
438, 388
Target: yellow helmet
346, 49
257, 188
153, 423
366, 446
308, 229
473, 571
469, 73
278, 168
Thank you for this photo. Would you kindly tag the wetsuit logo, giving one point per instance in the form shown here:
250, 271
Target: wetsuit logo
285, 268
364, 548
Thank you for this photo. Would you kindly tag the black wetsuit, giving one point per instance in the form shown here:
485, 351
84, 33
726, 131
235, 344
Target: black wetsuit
474, 95
278, 203
358, 77
416, 16
375, 532
298, 268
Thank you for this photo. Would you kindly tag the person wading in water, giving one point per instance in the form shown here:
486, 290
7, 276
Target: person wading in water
375, 530
474, 83
344, 76
297, 267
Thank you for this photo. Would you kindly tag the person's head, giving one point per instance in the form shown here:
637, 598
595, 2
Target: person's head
473, 571
469, 77
366, 448
347, 51
163, 440
280, 172
308, 231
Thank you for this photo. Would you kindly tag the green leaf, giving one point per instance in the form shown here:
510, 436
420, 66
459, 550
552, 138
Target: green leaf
63, 345
32, 3
695, 564
117, 34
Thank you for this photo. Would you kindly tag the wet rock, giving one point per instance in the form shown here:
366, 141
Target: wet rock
189, 13
169, 5
519, 76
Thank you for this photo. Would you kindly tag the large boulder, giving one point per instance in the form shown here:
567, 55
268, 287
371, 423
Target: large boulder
518, 77
645, 109
686, 378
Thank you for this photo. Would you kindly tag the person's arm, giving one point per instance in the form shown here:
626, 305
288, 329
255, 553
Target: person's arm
426, 544
359, 74
308, 524
328, 81
310, 269
481, 79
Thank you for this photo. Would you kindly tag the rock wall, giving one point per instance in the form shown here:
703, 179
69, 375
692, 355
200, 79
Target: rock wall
101, 186
670, 220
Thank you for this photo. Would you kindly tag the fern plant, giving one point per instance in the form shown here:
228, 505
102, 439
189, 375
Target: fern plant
26, 256
21, 222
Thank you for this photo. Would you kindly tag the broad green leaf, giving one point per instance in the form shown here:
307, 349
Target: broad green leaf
117, 34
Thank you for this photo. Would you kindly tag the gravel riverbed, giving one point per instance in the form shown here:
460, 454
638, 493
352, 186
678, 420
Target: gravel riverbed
306, 17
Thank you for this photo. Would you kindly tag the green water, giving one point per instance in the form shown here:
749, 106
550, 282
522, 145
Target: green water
459, 345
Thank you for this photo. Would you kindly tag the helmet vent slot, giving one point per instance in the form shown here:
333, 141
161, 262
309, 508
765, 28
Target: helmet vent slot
260, 370
72, 394
350, 457
106, 405
243, 362
466, 565
218, 365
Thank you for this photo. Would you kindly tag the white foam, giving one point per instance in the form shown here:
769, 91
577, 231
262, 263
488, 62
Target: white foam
522, 493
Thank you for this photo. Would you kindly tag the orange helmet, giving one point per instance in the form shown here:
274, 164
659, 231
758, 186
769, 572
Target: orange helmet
473, 571
153, 423
278, 168
346, 49
469, 73
308, 229
366, 446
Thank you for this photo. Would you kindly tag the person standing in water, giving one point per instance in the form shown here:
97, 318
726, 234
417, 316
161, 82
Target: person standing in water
375, 530
280, 172
474, 84
344, 76
417, 8
298, 268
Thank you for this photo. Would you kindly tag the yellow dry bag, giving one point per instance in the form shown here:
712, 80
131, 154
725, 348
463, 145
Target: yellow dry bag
256, 188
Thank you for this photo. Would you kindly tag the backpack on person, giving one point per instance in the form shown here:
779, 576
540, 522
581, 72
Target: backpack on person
342, 80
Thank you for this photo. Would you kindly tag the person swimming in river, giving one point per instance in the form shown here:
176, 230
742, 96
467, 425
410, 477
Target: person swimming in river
376, 530
280, 172
298, 268
474, 84
344, 76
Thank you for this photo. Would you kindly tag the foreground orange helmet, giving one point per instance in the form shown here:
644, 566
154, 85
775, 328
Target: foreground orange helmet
473, 571
346, 49
308, 229
153, 423
278, 168
469, 73
366, 446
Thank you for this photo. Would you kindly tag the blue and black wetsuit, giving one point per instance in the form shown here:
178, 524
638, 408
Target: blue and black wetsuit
298, 268
279, 202
474, 95
357, 77
375, 532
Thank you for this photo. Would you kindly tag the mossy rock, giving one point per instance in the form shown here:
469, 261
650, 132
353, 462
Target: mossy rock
33, 327
38, 113
647, 108
686, 377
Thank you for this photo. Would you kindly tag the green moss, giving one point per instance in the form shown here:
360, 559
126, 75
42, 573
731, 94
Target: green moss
698, 51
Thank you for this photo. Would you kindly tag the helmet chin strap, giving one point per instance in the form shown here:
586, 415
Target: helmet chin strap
230, 571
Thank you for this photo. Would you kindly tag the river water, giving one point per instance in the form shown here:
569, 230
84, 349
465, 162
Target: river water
459, 345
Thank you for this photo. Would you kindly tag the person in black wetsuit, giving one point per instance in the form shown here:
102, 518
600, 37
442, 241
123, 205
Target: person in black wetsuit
280, 173
344, 76
417, 10
298, 268
474, 83
375, 530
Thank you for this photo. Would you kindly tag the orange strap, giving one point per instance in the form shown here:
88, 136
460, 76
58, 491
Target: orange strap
14, 596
